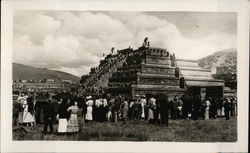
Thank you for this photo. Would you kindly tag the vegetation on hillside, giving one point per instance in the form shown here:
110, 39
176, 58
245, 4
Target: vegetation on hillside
225, 62
227, 57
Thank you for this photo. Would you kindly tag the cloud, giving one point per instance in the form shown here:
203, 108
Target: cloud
75, 41
36, 25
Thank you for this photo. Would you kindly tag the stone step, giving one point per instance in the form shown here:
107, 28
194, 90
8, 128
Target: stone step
186, 63
151, 86
194, 68
195, 73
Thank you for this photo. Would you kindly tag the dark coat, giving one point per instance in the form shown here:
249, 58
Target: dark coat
49, 110
164, 106
16, 107
30, 105
62, 110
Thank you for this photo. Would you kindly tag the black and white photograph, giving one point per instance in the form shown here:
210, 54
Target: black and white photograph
125, 76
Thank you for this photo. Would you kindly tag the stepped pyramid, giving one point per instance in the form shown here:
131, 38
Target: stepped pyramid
146, 70
156, 70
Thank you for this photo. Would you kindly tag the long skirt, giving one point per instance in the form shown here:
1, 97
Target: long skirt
143, 113
124, 113
89, 115
218, 112
150, 114
28, 117
206, 114
223, 111
62, 125
109, 116
73, 124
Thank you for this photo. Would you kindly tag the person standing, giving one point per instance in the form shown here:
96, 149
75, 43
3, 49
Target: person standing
136, 108
49, 114
80, 115
89, 114
232, 107
16, 110
82, 109
143, 103
179, 111
104, 109
235, 105
124, 110
21, 100
184, 99
73, 126
131, 108
110, 113
151, 109
62, 116
164, 109
227, 108
115, 110
207, 109
174, 108
196, 107
28, 117
98, 109
213, 108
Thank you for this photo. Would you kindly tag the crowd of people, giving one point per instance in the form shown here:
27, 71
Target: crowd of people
74, 112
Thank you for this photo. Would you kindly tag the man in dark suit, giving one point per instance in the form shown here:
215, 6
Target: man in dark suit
49, 115
164, 108
227, 108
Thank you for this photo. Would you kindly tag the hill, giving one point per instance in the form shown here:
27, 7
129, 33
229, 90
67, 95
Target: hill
224, 65
26, 72
226, 57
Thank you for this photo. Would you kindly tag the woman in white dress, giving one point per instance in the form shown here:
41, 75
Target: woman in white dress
151, 108
21, 100
62, 115
28, 118
143, 102
89, 114
207, 109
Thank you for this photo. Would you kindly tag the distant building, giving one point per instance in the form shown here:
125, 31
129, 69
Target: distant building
50, 80
67, 81
46, 85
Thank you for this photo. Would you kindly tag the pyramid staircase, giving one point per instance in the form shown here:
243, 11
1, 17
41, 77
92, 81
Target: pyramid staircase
100, 77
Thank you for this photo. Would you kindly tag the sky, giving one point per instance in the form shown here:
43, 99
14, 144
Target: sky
74, 41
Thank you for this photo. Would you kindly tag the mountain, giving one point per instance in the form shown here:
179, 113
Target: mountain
26, 72
226, 57
224, 66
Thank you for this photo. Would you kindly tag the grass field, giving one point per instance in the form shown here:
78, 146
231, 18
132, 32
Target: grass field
214, 130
